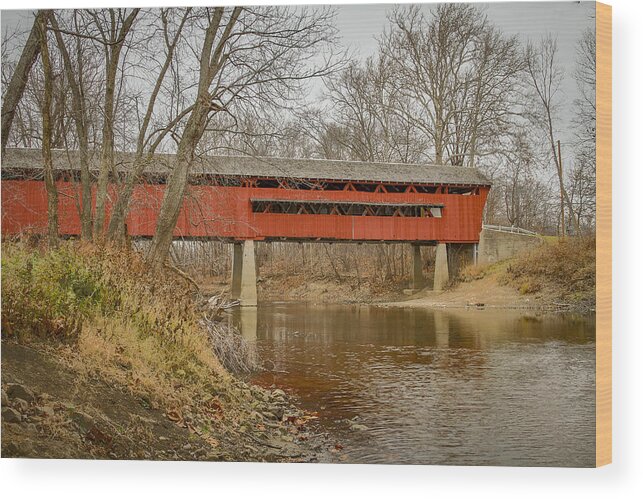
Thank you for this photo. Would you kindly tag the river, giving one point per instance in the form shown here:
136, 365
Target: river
416, 386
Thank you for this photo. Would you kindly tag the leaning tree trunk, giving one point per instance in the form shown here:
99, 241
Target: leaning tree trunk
18, 81
210, 64
175, 188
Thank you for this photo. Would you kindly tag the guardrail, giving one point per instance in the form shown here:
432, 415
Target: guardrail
513, 230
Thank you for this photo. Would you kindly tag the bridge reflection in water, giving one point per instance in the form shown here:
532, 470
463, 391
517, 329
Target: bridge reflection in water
436, 386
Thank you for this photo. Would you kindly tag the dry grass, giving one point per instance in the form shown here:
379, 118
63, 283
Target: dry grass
471, 273
236, 354
117, 317
563, 270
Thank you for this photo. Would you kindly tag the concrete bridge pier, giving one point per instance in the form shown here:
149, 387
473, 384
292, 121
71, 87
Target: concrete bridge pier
244, 273
441, 277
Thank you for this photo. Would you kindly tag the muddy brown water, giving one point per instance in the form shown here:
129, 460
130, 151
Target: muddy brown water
417, 386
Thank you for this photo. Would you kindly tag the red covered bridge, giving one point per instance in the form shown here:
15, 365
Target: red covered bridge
243, 198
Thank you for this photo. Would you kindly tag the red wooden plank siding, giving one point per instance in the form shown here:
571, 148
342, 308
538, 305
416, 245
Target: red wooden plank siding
210, 211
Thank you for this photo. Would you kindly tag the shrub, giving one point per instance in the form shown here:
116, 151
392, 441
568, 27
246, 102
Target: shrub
46, 293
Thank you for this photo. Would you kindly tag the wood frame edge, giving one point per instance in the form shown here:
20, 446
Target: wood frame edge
603, 234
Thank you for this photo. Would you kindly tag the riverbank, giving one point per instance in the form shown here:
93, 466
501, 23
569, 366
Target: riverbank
559, 275
312, 289
484, 292
101, 358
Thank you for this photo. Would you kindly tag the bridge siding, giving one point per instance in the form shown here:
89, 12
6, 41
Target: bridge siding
210, 211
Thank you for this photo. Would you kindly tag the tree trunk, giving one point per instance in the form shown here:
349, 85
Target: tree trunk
112, 58
177, 180
18, 81
175, 188
50, 185
78, 110
107, 147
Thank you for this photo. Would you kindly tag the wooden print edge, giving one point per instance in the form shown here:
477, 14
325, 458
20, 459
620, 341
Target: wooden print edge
603, 234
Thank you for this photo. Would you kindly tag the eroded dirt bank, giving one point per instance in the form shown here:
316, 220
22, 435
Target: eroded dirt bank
51, 410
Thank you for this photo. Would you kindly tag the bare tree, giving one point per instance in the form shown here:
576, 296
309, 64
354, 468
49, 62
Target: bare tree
248, 57
460, 74
142, 156
585, 75
582, 179
581, 185
545, 76
369, 114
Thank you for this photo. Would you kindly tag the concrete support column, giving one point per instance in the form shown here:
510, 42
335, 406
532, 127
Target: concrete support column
441, 267
237, 264
248, 295
418, 278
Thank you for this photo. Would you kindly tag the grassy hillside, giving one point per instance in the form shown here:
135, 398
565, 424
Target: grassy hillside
560, 273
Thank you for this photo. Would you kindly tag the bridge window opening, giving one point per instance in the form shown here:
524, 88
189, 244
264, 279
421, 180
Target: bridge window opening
223, 181
464, 191
267, 183
365, 187
426, 189
198, 180
248, 182
210, 179
345, 208
290, 208
150, 178
335, 186
394, 188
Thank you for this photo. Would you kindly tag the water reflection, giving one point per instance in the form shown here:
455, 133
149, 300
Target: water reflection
246, 318
436, 387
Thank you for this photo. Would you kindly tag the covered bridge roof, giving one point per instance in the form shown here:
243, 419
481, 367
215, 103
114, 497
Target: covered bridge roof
258, 166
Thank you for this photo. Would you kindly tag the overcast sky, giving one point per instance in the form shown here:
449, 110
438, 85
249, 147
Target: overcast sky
360, 25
